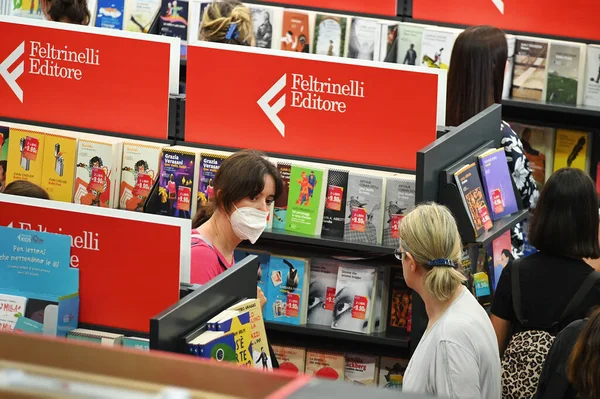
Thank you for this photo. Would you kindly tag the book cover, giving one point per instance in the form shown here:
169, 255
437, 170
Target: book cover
382, 300
281, 203
209, 165
287, 292
304, 200
391, 373
436, 47
94, 176
354, 299
334, 214
260, 346
361, 369
295, 35
592, 77
409, 44
263, 19
25, 156
471, 190
176, 182
571, 149
31, 9
389, 35
538, 144
498, 184
324, 365
25, 325
364, 39
400, 313
290, 358
139, 172
502, 254
58, 170
330, 35
173, 19
139, 15
529, 76
240, 326
566, 67
264, 259
215, 345
11, 308
399, 200
136, 343
510, 66
364, 218
321, 293
110, 14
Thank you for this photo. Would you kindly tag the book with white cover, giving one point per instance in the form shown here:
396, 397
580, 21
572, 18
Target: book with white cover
566, 73
410, 38
436, 47
592, 77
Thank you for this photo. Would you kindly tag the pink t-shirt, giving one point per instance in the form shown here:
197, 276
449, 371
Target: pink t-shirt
205, 261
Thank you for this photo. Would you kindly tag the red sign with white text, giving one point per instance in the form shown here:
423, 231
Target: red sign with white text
84, 78
310, 106
125, 278
377, 7
551, 17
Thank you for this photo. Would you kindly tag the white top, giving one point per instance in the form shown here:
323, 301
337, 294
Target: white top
458, 356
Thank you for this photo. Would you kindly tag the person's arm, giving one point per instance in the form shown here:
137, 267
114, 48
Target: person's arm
455, 372
502, 329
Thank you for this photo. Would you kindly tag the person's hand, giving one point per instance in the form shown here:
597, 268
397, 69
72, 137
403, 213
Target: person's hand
262, 299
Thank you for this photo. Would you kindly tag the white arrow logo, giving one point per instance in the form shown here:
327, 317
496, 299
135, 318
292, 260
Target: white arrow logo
11, 77
272, 112
499, 5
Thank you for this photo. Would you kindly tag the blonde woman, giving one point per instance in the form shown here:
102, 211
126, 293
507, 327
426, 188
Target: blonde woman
227, 21
457, 356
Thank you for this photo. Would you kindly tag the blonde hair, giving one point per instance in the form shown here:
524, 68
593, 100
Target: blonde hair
217, 19
429, 232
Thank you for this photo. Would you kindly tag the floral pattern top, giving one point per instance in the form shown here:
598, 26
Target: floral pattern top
518, 165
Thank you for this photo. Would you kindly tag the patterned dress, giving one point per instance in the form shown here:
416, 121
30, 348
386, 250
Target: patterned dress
518, 166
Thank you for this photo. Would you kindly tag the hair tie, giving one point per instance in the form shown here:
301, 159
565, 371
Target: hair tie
231, 32
441, 262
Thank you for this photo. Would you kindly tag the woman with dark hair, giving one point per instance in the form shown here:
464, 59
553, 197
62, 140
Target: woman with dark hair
564, 229
69, 11
475, 81
25, 188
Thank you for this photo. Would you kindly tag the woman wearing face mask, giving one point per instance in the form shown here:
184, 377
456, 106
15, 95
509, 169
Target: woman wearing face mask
244, 187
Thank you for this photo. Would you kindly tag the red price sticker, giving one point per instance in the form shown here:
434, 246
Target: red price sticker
485, 218
359, 308
396, 219
171, 187
292, 308
143, 185
98, 180
334, 198
330, 298
184, 195
497, 201
30, 148
358, 220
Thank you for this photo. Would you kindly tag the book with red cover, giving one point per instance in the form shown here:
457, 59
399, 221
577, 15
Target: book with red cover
497, 183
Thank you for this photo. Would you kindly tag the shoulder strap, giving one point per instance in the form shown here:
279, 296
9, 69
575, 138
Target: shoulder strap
581, 293
516, 291
209, 244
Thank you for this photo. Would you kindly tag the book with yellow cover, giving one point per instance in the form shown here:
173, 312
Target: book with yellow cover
571, 149
239, 325
25, 156
260, 346
138, 173
58, 173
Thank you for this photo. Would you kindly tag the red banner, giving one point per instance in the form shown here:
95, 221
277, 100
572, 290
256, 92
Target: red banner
312, 106
130, 263
575, 18
92, 78
376, 7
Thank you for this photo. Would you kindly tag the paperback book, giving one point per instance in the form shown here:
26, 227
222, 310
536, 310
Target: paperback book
409, 44
334, 214
110, 14
391, 372
592, 77
324, 365
209, 165
571, 150
354, 299
321, 295
330, 35
25, 156
95, 180
176, 183
138, 174
399, 200
538, 144
290, 358
471, 190
364, 39
173, 19
566, 70
295, 35
287, 292
304, 201
364, 218
280, 205
263, 18
58, 170
529, 76
498, 183
361, 369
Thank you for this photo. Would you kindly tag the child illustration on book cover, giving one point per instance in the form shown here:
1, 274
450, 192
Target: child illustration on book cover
143, 177
306, 188
99, 185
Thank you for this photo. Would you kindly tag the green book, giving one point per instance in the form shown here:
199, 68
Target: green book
304, 200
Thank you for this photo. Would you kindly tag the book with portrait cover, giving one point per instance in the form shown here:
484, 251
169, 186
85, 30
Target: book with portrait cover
472, 195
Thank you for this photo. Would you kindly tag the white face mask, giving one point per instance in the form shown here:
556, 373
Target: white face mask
248, 223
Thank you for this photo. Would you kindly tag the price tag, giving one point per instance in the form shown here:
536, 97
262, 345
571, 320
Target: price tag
485, 217
30, 148
330, 298
334, 198
98, 180
143, 185
293, 305
358, 220
359, 308
497, 202
184, 195
395, 223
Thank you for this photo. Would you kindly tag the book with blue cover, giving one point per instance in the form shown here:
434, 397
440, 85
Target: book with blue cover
287, 290
264, 259
497, 183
